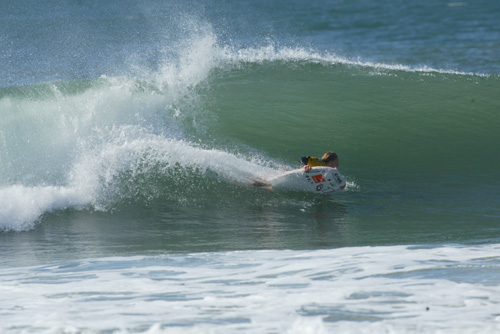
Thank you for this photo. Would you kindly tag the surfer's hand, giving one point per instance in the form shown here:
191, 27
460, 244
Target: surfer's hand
307, 168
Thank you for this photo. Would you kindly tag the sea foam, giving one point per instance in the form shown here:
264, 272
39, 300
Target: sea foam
392, 289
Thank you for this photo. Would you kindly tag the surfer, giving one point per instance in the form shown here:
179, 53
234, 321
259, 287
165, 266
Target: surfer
329, 159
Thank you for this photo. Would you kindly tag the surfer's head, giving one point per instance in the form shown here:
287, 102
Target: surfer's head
331, 159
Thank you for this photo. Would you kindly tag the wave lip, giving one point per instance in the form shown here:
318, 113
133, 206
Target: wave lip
272, 53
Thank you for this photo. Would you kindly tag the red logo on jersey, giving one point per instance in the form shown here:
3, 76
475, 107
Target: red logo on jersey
318, 178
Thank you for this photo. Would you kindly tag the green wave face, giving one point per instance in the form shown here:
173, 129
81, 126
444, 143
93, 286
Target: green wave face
377, 119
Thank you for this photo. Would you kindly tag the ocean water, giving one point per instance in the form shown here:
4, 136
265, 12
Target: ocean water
130, 132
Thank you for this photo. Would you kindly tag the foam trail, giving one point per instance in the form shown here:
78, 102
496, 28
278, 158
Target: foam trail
138, 152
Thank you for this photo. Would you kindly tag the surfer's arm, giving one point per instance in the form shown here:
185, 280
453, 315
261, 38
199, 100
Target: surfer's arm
305, 160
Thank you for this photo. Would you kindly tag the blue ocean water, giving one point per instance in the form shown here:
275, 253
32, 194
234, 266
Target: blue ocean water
130, 132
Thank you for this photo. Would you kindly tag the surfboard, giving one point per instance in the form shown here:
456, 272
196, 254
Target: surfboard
321, 180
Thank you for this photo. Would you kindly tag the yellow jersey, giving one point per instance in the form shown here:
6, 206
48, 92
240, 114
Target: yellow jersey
312, 161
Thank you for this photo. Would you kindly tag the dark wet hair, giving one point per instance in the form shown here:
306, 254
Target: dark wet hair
329, 156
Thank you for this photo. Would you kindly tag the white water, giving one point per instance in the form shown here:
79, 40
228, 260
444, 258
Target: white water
63, 150
95, 179
397, 289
